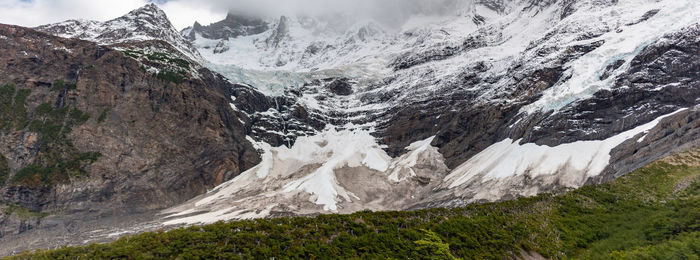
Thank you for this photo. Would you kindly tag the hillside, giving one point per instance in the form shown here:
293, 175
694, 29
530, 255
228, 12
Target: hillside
651, 213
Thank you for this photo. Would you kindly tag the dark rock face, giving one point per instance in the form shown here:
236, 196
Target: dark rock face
410, 59
231, 27
276, 120
663, 78
676, 134
340, 87
161, 142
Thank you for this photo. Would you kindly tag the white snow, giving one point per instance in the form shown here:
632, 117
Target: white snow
143, 24
509, 158
223, 214
622, 44
332, 150
409, 160
306, 170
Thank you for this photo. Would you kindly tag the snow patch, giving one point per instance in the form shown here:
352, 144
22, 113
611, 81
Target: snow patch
622, 44
409, 160
306, 178
333, 150
509, 158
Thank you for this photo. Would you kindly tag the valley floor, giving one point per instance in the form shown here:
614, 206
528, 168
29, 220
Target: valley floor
651, 213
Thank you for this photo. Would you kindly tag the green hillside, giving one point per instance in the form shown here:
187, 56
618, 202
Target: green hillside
652, 213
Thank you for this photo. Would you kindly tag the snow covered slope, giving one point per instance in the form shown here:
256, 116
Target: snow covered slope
346, 171
488, 100
334, 171
146, 23
443, 98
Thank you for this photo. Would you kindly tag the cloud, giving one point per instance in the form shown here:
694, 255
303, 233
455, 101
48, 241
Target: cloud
38, 12
184, 13
32, 13
387, 10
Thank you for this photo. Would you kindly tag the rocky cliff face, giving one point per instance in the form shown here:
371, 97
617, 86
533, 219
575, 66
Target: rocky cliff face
89, 133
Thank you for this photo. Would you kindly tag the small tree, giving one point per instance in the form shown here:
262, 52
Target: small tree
432, 247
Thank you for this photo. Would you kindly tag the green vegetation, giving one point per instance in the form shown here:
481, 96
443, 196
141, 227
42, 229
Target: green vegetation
57, 160
21, 212
103, 115
174, 70
686, 246
652, 213
432, 247
4, 169
60, 85
133, 54
13, 112
171, 76
164, 57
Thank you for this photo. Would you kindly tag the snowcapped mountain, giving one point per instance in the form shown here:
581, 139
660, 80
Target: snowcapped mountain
146, 23
489, 100
496, 100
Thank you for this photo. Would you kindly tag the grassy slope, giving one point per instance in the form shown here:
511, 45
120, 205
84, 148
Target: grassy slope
651, 213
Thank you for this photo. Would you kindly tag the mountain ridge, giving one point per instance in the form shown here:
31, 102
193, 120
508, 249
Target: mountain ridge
146, 23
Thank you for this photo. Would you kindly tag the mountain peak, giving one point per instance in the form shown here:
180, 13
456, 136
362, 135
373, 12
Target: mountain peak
234, 25
149, 13
148, 22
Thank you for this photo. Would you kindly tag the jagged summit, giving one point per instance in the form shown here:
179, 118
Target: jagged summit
145, 23
232, 26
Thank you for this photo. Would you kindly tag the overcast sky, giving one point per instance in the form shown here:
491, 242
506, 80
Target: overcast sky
183, 13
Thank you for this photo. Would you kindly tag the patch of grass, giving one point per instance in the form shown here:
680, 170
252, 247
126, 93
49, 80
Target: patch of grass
159, 57
174, 69
639, 216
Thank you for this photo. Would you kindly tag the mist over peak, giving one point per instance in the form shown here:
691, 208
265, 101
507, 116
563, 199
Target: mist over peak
387, 12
